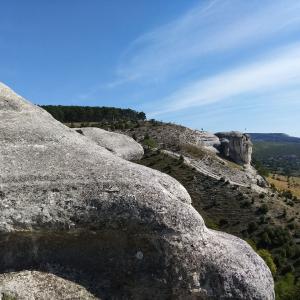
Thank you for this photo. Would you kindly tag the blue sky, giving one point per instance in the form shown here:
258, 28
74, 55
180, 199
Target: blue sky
212, 64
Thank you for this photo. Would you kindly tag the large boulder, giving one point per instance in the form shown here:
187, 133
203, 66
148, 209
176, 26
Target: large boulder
35, 285
119, 144
236, 146
68, 206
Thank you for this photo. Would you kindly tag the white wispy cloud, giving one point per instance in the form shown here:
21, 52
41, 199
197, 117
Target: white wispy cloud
278, 71
209, 28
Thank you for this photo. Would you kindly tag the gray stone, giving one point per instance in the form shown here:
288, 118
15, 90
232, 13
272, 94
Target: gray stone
236, 146
33, 285
119, 144
68, 205
172, 137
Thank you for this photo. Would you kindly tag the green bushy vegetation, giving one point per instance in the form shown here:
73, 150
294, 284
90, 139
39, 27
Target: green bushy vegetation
87, 114
267, 257
6, 296
287, 288
261, 169
277, 157
149, 142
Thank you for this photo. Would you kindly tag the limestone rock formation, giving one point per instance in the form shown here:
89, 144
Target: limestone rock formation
236, 146
119, 144
125, 231
172, 136
35, 285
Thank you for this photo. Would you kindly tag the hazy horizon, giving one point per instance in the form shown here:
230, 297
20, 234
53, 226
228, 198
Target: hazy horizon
211, 64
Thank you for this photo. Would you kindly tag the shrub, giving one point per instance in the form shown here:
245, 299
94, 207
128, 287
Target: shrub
181, 159
223, 222
148, 141
6, 296
252, 226
286, 288
287, 194
222, 179
267, 257
261, 170
263, 209
262, 219
274, 236
252, 244
245, 204
211, 224
287, 269
265, 240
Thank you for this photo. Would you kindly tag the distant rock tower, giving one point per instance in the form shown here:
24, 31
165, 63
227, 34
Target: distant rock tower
236, 146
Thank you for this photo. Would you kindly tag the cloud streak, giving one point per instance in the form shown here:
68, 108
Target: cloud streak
271, 74
210, 28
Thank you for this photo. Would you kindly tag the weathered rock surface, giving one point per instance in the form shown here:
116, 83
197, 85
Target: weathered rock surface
172, 136
33, 285
128, 232
199, 149
236, 146
119, 144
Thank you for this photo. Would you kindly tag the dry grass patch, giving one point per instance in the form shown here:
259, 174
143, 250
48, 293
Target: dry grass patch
196, 152
284, 183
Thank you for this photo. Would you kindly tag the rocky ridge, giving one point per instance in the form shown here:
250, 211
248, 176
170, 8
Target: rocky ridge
205, 151
119, 144
126, 231
236, 146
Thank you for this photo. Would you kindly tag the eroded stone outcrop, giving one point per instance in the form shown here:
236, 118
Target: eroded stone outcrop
35, 285
125, 231
173, 137
236, 146
119, 144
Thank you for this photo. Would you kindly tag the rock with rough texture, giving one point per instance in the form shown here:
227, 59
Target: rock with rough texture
125, 231
172, 137
33, 285
119, 144
236, 146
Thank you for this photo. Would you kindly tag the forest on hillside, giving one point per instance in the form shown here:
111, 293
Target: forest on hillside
69, 114
278, 157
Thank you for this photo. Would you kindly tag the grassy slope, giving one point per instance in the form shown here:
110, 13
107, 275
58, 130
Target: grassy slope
283, 183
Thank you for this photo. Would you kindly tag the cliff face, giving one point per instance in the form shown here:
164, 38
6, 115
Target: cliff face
236, 146
71, 208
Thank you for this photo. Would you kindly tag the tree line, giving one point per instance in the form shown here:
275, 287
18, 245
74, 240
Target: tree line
68, 114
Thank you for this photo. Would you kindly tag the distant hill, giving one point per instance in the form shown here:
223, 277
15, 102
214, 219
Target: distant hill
274, 137
278, 152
